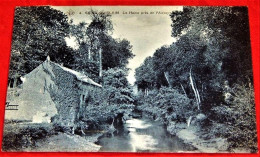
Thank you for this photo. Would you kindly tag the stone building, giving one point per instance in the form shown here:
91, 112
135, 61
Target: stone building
51, 91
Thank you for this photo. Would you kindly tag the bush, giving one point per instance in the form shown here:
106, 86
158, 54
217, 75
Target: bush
239, 119
168, 104
116, 89
20, 136
103, 113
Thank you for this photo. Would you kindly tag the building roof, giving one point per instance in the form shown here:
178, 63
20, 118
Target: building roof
79, 76
47, 65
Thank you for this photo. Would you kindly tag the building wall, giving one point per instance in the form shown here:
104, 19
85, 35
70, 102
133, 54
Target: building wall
70, 96
32, 97
50, 93
65, 94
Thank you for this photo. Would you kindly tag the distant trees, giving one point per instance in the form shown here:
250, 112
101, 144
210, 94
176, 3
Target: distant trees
145, 75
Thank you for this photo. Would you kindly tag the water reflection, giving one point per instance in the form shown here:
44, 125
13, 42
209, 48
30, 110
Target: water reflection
141, 135
137, 123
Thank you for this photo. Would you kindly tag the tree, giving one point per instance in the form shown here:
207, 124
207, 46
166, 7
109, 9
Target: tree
78, 31
210, 58
116, 52
82, 59
97, 49
100, 25
204, 36
225, 32
117, 90
213, 41
145, 75
37, 33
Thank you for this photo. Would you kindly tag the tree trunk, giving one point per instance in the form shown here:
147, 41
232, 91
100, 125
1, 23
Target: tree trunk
9, 84
184, 91
195, 90
166, 75
89, 54
100, 62
146, 91
15, 82
189, 121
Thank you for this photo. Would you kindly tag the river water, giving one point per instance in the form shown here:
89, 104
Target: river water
142, 135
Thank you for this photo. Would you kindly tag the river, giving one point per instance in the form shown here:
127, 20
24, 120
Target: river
142, 135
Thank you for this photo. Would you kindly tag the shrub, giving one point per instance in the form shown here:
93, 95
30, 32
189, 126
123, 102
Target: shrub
20, 136
168, 104
239, 119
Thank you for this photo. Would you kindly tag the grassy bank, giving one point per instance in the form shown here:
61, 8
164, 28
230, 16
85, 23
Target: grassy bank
27, 136
19, 137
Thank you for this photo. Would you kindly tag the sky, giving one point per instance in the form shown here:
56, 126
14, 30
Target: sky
146, 27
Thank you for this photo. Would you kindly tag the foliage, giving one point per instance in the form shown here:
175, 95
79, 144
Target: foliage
102, 114
225, 33
92, 37
168, 105
210, 45
37, 33
239, 118
20, 136
101, 24
180, 21
116, 88
115, 52
104, 104
145, 74
213, 46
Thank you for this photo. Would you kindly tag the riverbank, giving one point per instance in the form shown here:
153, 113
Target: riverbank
192, 135
141, 133
67, 143
206, 142
42, 137
203, 140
